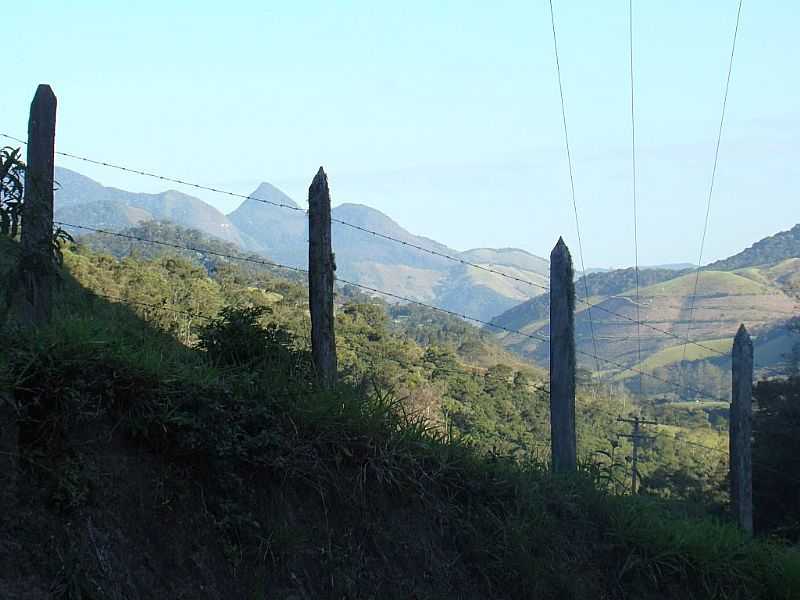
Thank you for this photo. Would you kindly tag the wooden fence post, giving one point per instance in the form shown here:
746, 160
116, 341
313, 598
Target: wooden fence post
741, 430
320, 280
37, 210
562, 360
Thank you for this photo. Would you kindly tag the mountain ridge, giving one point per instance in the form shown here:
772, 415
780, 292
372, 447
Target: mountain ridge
263, 224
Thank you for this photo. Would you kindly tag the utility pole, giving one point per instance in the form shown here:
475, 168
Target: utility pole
636, 437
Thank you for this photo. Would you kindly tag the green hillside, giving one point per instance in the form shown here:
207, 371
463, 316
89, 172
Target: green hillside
763, 298
674, 354
419, 476
711, 283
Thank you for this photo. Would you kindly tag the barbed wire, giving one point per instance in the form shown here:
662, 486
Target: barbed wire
443, 255
264, 262
467, 370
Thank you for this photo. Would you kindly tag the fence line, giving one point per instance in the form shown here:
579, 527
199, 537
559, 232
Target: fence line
539, 338
584, 301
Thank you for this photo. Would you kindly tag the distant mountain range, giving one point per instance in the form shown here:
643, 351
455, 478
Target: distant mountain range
281, 234
759, 286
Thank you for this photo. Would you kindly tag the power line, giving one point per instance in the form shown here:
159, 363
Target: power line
572, 180
711, 186
137, 238
583, 301
635, 212
399, 297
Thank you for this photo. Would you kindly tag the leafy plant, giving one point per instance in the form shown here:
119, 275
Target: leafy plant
237, 338
12, 175
60, 237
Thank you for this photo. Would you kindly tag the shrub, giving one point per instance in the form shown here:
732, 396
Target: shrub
237, 338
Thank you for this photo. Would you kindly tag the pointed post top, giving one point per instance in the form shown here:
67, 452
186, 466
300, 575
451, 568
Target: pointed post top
560, 251
319, 186
742, 336
43, 112
44, 102
44, 92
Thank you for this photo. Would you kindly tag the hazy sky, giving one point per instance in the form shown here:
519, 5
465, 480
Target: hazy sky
444, 115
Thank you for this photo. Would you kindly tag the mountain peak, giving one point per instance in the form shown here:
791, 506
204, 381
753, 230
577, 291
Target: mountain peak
269, 193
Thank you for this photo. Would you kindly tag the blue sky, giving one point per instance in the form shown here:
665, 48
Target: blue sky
444, 115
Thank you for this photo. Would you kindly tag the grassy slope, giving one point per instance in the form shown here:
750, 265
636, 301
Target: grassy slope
711, 283
162, 476
724, 299
674, 354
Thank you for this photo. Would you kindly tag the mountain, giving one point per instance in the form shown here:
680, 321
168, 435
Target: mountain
83, 201
765, 298
278, 232
770, 250
272, 224
387, 265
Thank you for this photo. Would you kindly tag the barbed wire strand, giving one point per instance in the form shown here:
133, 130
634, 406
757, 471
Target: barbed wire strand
623, 368
583, 301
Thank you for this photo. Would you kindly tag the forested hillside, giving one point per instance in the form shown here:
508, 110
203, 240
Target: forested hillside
205, 369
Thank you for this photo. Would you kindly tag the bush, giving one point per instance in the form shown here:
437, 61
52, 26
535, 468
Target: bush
776, 457
237, 338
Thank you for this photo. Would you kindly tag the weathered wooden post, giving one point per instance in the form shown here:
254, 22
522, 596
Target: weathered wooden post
320, 280
741, 429
37, 210
562, 360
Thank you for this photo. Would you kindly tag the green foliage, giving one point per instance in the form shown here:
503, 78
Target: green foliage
250, 435
524, 532
236, 338
12, 178
776, 457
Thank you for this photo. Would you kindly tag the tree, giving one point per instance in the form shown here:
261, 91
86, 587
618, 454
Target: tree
776, 457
